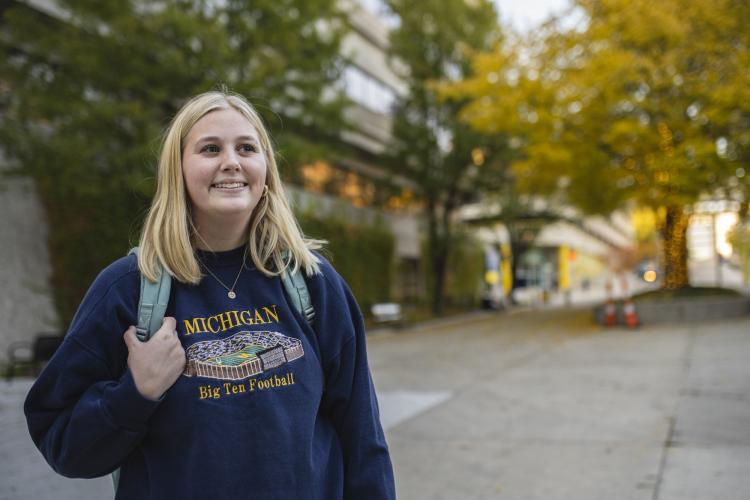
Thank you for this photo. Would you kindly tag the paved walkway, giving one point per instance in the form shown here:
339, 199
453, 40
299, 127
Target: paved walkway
544, 405
524, 406
24, 475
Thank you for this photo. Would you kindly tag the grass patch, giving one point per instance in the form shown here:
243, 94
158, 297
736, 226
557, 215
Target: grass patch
689, 292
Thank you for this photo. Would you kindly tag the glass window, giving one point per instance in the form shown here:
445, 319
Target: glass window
381, 9
367, 90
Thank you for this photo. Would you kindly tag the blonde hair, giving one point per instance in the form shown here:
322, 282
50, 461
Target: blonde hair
168, 233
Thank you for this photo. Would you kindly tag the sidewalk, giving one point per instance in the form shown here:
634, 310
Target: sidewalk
24, 475
543, 405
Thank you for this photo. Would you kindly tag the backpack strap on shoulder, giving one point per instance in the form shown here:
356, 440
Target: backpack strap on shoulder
152, 304
297, 292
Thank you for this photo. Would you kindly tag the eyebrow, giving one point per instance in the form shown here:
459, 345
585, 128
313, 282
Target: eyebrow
213, 138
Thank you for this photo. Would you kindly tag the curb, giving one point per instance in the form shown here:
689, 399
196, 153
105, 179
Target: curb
434, 322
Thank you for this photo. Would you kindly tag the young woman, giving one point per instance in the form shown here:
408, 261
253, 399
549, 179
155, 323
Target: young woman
236, 396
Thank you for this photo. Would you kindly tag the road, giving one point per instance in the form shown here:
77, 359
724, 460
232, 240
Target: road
526, 405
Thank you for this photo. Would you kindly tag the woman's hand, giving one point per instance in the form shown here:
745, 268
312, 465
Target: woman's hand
157, 364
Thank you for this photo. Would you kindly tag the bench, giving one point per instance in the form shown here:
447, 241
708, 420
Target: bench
34, 354
387, 312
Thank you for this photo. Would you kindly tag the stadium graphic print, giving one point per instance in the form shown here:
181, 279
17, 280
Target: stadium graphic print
242, 355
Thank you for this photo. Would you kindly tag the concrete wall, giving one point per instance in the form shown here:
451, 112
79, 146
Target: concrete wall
26, 306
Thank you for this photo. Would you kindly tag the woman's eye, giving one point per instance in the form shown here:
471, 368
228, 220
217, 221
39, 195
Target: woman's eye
248, 148
210, 148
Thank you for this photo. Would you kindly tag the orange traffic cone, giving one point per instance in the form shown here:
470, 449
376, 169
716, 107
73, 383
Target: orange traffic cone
630, 314
610, 313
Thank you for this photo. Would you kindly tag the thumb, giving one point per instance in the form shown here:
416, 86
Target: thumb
130, 337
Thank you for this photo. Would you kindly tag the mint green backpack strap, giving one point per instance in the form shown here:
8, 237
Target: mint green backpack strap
296, 290
152, 304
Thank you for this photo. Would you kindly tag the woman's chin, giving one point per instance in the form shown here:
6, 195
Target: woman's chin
231, 208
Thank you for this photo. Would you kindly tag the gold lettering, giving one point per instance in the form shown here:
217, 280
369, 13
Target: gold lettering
230, 388
230, 319
197, 325
208, 392
251, 384
203, 392
226, 321
271, 313
217, 324
248, 320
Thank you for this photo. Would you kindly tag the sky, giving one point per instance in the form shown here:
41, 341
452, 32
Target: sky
526, 14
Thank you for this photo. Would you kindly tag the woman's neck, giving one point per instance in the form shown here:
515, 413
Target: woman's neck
219, 237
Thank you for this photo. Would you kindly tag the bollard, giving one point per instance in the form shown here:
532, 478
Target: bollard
610, 313
630, 315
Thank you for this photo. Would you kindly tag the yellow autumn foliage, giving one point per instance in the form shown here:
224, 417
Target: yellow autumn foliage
643, 102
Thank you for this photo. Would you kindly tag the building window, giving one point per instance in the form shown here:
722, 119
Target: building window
381, 9
367, 90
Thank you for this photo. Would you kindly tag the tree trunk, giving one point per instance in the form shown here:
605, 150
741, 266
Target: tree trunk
439, 261
438, 247
673, 229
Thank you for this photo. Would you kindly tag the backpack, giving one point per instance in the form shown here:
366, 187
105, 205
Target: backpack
154, 296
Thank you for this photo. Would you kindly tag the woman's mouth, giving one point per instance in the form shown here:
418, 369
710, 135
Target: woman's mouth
229, 185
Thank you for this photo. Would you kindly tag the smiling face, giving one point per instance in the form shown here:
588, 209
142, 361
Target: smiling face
224, 168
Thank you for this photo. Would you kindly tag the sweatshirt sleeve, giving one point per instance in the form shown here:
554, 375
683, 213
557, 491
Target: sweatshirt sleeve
84, 412
351, 400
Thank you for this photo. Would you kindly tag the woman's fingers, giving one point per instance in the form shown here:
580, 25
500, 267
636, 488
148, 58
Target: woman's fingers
130, 338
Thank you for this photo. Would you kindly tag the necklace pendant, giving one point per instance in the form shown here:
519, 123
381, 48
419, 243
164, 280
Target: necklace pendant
231, 294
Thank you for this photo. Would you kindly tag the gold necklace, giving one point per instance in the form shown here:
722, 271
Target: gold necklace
230, 291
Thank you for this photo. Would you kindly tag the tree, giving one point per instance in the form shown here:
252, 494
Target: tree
88, 86
448, 161
641, 103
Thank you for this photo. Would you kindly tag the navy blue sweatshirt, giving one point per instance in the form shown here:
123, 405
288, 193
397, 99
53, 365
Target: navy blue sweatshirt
268, 407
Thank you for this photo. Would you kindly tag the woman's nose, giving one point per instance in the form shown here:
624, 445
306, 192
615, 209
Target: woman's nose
230, 161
